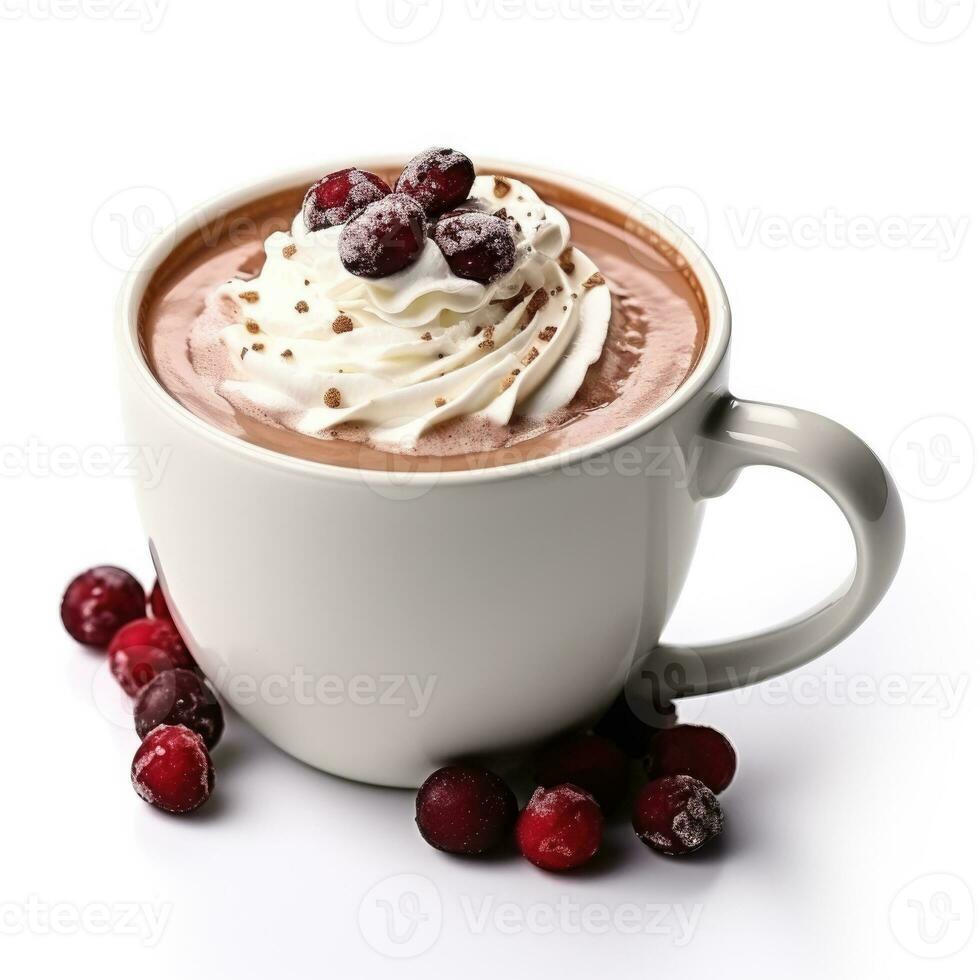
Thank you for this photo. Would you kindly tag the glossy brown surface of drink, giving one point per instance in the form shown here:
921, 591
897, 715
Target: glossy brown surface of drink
656, 335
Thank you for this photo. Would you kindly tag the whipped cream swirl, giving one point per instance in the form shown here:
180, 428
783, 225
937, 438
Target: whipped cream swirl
309, 346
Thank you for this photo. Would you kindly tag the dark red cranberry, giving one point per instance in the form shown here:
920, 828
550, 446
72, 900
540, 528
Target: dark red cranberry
560, 828
676, 815
384, 238
145, 648
172, 769
464, 809
179, 697
158, 603
98, 602
334, 199
595, 763
631, 732
476, 245
438, 179
692, 750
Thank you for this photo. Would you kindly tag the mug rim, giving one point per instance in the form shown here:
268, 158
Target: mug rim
147, 263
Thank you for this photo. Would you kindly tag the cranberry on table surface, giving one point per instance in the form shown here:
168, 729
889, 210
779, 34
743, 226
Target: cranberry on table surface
384, 238
100, 601
158, 603
676, 815
693, 750
476, 245
464, 809
631, 732
560, 828
179, 697
172, 769
338, 196
593, 762
438, 178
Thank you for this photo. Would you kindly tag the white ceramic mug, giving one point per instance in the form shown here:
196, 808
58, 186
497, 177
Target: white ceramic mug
377, 628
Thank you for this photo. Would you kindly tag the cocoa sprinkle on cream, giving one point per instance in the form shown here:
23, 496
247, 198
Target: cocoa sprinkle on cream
289, 251
302, 306
250, 296
343, 324
596, 279
252, 327
332, 398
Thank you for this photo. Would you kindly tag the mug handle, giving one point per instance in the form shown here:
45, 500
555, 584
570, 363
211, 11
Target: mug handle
737, 434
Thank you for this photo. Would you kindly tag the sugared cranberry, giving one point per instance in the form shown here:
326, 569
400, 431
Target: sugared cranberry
158, 603
560, 828
179, 697
172, 769
676, 815
631, 732
692, 750
384, 238
144, 648
476, 245
100, 601
334, 199
438, 179
159, 633
464, 809
595, 763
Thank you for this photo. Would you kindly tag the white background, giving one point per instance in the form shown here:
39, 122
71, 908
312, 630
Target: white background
826, 156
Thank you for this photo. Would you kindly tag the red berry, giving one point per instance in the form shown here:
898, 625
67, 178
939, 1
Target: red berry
438, 179
631, 732
172, 769
692, 750
334, 199
476, 245
595, 763
98, 602
676, 815
464, 809
179, 697
158, 603
560, 828
144, 648
384, 238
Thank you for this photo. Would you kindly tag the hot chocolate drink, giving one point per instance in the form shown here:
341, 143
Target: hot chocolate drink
427, 319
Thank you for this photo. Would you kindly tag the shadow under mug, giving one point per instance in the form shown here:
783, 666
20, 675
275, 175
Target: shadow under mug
379, 625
